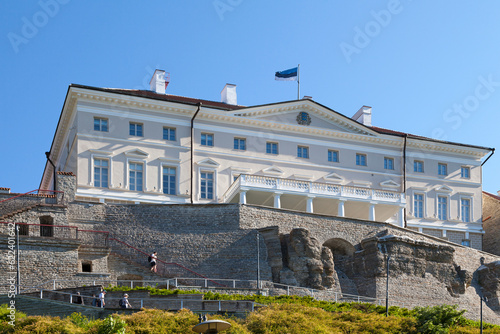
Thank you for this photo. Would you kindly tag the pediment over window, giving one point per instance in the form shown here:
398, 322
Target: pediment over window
137, 153
272, 171
443, 189
389, 184
208, 163
333, 178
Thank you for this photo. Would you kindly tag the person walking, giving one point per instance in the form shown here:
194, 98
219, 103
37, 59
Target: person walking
154, 257
124, 303
100, 300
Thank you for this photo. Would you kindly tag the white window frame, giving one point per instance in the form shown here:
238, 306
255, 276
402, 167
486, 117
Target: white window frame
389, 159
144, 174
302, 149
100, 118
365, 159
169, 128
440, 164
448, 205
465, 177
95, 154
424, 200
471, 206
240, 138
277, 147
207, 170
206, 144
419, 162
333, 151
136, 123
172, 163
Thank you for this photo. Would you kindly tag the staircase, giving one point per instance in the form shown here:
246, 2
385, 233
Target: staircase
346, 284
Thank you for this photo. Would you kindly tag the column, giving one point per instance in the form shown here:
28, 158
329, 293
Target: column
309, 207
401, 218
341, 210
277, 200
243, 197
371, 214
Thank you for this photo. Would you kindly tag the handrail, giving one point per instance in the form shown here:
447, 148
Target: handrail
29, 192
164, 262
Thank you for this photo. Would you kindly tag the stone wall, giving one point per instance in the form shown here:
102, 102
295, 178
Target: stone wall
491, 224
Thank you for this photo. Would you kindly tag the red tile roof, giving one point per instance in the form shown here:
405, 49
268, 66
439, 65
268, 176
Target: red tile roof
491, 195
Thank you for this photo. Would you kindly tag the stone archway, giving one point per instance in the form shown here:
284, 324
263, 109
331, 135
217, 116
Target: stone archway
343, 255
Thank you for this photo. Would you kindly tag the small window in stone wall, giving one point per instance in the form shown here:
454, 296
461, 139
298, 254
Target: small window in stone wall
24, 229
86, 266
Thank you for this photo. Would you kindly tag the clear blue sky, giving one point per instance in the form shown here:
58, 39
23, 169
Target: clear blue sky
428, 68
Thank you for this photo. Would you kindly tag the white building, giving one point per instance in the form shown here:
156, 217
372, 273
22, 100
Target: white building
135, 146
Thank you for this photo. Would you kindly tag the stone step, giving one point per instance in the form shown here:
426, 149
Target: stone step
346, 284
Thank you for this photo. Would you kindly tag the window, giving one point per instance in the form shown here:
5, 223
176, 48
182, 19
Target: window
418, 166
465, 209
466, 243
169, 180
135, 176
388, 163
169, 133
101, 173
303, 152
100, 124
418, 205
272, 148
465, 172
207, 185
442, 208
442, 169
333, 156
240, 144
46, 230
360, 159
136, 129
207, 139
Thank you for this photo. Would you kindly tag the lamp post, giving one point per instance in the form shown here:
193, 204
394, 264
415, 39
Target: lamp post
483, 299
258, 262
387, 288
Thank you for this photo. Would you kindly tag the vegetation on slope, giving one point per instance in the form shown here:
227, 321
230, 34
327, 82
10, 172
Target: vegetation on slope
282, 315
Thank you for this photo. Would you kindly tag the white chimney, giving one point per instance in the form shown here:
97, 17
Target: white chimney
228, 94
157, 82
363, 116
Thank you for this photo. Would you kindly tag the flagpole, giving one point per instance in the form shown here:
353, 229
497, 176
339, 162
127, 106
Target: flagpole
298, 82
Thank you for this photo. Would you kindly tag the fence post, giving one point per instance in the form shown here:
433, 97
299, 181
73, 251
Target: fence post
234, 284
71, 298
182, 304
206, 283
358, 299
54, 285
288, 290
142, 303
131, 284
41, 293
176, 285
219, 305
335, 296
168, 284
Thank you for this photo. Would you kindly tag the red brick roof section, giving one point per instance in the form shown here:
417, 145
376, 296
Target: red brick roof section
491, 195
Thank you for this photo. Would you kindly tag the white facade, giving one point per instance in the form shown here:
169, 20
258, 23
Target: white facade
128, 146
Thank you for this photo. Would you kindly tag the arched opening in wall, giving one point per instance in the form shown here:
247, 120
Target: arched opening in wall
46, 231
86, 266
343, 252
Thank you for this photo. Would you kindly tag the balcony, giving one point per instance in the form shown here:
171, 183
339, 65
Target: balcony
324, 198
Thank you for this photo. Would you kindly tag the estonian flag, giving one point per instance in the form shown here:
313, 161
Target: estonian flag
287, 75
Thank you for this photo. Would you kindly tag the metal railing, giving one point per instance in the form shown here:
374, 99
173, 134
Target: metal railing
139, 303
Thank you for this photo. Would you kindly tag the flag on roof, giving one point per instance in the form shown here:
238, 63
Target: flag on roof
287, 75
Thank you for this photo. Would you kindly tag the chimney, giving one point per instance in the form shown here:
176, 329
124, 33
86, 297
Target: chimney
307, 97
363, 116
158, 83
228, 94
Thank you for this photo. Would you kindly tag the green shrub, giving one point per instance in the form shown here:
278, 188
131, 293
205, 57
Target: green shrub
437, 319
111, 325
